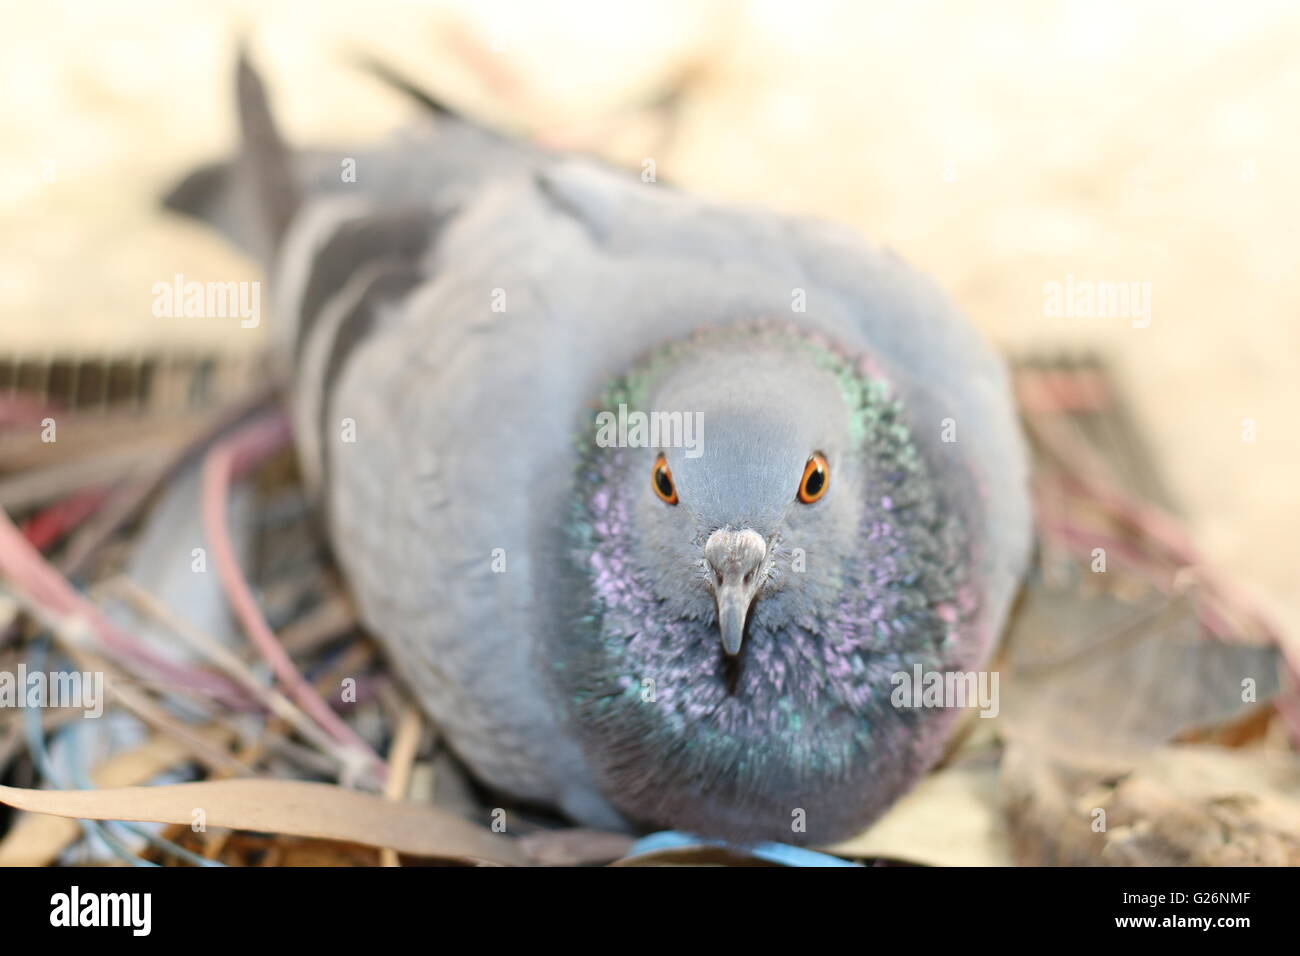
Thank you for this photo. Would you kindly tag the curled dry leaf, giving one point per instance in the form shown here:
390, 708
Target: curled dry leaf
284, 806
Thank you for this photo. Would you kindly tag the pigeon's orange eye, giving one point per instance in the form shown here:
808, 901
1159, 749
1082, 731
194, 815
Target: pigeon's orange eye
816, 477
662, 481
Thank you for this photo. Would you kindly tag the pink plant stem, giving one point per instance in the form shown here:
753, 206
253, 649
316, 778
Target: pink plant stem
51, 524
234, 456
22, 564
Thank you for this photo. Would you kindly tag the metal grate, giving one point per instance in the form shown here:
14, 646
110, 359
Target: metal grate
175, 382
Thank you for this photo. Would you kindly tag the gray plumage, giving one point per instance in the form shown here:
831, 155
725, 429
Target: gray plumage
464, 307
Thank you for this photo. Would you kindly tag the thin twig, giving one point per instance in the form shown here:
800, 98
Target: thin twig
401, 757
229, 662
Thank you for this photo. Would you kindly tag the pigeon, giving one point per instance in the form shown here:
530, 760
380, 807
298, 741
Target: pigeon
651, 500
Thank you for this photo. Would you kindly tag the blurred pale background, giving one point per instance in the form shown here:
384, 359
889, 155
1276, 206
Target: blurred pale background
997, 146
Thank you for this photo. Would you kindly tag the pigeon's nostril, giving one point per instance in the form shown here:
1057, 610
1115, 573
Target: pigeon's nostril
749, 577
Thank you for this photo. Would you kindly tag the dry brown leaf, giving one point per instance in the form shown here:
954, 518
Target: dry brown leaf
284, 806
703, 855
575, 847
951, 818
1168, 806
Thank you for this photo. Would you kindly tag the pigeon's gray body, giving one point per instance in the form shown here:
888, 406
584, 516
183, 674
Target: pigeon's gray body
452, 318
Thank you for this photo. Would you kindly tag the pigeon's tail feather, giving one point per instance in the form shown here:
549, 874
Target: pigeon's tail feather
204, 194
404, 84
345, 238
264, 161
253, 198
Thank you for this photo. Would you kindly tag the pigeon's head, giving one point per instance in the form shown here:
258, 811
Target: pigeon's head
762, 546
763, 469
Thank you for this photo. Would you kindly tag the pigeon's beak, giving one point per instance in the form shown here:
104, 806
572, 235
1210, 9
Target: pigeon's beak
733, 608
735, 562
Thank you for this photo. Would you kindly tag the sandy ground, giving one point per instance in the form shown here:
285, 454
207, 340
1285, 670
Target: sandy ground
1000, 147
